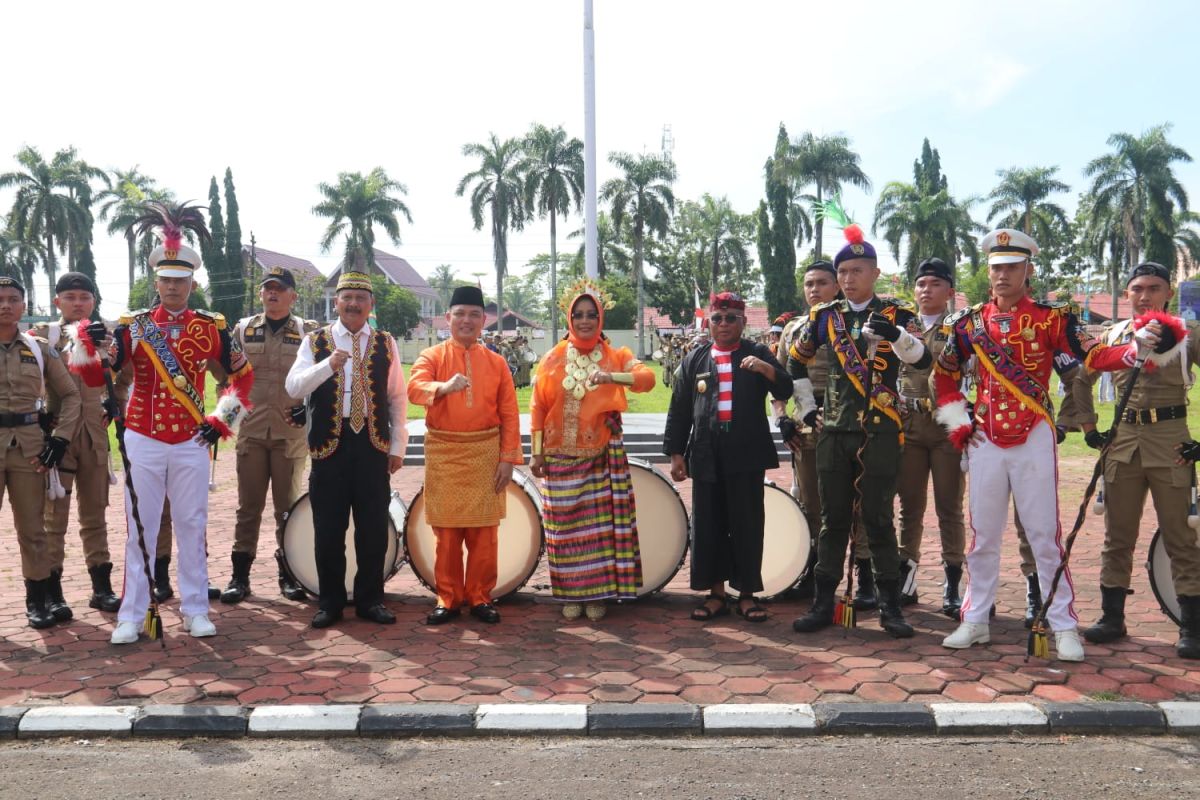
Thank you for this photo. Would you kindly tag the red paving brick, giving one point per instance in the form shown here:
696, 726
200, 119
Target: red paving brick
643, 652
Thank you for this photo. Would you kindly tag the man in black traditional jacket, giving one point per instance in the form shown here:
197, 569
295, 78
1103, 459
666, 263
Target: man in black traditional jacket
717, 433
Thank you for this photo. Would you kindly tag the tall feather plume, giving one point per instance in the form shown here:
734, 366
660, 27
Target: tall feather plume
832, 210
171, 220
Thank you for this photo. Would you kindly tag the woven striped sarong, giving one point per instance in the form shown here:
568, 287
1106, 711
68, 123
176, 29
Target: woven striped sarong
591, 526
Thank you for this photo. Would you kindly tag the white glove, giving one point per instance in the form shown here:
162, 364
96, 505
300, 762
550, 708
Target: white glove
806, 401
909, 348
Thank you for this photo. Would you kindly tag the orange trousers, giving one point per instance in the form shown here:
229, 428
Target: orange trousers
452, 591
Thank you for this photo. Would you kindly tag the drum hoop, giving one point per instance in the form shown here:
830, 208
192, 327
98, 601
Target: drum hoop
525, 485
1155, 542
401, 549
687, 519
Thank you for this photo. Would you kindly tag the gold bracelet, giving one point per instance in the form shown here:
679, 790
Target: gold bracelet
536, 448
625, 378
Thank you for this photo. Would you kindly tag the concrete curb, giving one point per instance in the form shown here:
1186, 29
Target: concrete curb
601, 719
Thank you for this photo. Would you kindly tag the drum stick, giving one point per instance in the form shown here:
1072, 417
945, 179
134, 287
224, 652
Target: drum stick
212, 470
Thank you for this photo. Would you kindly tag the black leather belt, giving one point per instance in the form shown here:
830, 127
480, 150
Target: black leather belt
17, 420
1148, 416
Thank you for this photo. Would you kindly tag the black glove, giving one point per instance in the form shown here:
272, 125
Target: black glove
1060, 433
52, 454
1096, 439
297, 416
787, 427
1166, 339
112, 409
810, 419
882, 328
1190, 450
97, 332
208, 434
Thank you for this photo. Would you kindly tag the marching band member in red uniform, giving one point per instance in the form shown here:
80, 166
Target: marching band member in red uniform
1011, 435
168, 435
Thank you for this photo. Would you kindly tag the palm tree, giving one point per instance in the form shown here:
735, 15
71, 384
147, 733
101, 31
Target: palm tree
553, 183
44, 206
19, 255
1020, 202
120, 204
1187, 240
78, 175
497, 185
933, 225
1138, 183
354, 206
641, 198
443, 281
826, 163
611, 255
724, 243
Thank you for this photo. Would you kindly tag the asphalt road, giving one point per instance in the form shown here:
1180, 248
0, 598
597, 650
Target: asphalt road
612, 769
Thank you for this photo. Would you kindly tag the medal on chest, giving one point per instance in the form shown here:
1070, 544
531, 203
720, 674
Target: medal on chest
1004, 323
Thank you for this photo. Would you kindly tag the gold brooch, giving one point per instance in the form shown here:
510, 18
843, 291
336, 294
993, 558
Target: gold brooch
180, 382
1028, 334
701, 386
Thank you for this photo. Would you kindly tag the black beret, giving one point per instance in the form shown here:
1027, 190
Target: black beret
280, 275
74, 281
1152, 268
7, 282
821, 264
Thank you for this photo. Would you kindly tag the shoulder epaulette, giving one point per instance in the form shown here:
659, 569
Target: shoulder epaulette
903, 305
1057, 305
215, 317
962, 312
309, 325
819, 307
129, 316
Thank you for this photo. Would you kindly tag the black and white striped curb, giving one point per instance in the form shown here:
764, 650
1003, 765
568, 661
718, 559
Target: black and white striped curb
601, 719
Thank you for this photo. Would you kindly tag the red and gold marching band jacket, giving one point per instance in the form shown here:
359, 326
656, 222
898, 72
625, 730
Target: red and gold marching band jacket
1015, 354
168, 354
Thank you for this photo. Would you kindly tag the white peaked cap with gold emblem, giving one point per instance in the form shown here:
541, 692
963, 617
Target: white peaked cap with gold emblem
1008, 246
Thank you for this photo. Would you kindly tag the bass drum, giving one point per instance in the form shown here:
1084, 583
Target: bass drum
1158, 564
299, 546
786, 543
662, 523
520, 542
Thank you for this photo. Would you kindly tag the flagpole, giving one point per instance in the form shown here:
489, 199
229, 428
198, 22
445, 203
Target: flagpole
589, 141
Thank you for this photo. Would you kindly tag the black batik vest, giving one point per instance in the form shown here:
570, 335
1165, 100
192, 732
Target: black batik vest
325, 403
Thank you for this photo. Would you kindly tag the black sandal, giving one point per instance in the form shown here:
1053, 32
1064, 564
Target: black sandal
703, 613
755, 613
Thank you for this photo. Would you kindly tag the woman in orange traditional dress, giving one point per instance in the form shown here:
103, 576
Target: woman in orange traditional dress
588, 504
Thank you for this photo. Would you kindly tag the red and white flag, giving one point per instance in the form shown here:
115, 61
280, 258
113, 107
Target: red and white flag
698, 312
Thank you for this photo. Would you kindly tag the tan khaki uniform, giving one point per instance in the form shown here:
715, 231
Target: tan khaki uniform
23, 384
269, 448
84, 471
928, 453
804, 464
1142, 459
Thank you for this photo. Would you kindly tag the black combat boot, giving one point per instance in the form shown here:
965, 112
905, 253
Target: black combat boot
821, 614
908, 582
37, 610
239, 585
287, 585
864, 596
1111, 625
951, 601
891, 618
55, 602
103, 597
162, 579
1189, 627
1033, 599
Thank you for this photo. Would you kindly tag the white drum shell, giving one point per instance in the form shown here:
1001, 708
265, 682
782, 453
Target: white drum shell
662, 523
786, 543
1158, 564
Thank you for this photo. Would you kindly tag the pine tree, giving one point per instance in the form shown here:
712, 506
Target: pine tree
85, 262
213, 253
234, 288
776, 252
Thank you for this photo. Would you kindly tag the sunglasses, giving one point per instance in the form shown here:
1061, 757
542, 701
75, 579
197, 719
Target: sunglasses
725, 319
584, 315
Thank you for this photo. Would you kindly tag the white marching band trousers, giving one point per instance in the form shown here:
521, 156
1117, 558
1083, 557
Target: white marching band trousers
178, 471
1029, 471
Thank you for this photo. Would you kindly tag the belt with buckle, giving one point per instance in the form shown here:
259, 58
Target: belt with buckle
917, 404
17, 420
1149, 416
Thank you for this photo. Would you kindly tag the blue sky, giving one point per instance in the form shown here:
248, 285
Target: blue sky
290, 94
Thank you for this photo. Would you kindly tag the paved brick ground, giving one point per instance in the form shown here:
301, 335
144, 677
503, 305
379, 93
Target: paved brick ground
645, 652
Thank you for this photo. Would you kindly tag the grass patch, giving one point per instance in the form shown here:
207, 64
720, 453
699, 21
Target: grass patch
1105, 696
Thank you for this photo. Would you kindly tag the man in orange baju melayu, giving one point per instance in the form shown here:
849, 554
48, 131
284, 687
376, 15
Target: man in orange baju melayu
472, 441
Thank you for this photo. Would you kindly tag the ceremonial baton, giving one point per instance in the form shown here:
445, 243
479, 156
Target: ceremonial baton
1039, 644
153, 620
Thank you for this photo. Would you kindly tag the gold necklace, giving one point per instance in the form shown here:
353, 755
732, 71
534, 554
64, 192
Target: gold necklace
579, 368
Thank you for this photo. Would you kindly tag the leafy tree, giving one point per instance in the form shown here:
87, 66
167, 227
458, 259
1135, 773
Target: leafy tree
397, 310
229, 296
355, 205
1187, 240
497, 188
725, 242
642, 199
120, 204
611, 253
553, 183
525, 294
20, 252
1019, 201
925, 218
825, 163
774, 221
44, 205
443, 281
142, 295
